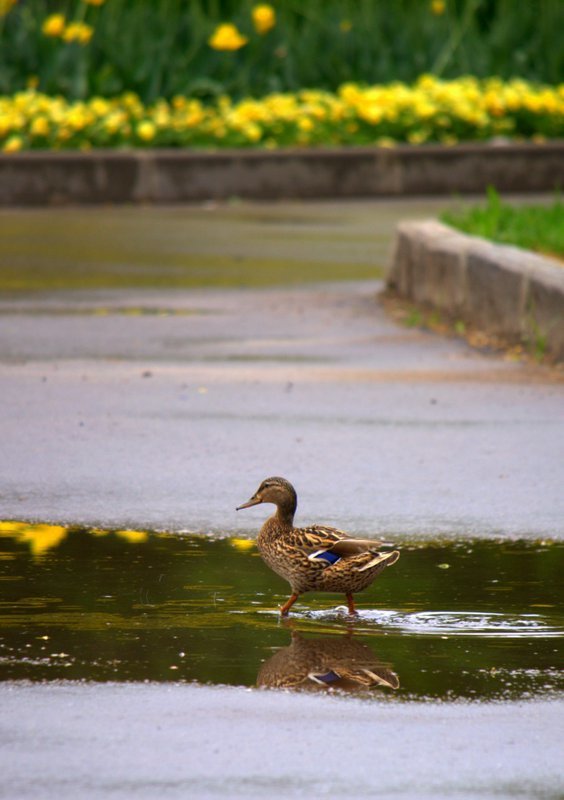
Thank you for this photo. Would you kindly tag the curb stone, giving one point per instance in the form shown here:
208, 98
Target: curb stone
39, 178
505, 291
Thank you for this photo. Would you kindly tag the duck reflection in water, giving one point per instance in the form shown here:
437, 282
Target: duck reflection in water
331, 662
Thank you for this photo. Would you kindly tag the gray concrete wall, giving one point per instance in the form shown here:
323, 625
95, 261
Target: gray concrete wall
509, 293
171, 176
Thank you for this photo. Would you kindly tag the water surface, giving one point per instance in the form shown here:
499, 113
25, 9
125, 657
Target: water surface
477, 620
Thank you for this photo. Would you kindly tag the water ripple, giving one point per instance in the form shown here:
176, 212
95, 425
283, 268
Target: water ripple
452, 623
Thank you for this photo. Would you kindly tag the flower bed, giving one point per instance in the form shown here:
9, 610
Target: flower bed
431, 110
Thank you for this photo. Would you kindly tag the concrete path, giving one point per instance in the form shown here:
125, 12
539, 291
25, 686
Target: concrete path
115, 415
170, 421
150, 741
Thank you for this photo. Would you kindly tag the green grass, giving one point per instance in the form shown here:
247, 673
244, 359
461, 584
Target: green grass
534, 227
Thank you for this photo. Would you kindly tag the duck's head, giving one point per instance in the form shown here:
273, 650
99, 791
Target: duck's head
274, 490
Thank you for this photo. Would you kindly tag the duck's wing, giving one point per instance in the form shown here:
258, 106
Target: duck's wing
363, 676
354, 547
330, 545
317, 541
316, 537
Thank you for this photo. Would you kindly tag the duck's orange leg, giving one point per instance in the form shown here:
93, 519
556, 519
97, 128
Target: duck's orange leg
288, 605
350, 603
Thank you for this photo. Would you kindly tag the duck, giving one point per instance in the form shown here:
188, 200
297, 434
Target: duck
317, 558
327, 663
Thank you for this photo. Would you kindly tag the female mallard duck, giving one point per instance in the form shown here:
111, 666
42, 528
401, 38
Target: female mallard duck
333, 662
316, 558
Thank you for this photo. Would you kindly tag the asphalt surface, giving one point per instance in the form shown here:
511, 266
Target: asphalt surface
172, 421
151, 741
113, 414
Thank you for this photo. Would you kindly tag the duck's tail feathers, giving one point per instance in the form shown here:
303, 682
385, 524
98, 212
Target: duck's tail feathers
383, 677
385, 559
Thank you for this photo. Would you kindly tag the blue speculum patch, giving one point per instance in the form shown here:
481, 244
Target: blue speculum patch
475, 620
328, 556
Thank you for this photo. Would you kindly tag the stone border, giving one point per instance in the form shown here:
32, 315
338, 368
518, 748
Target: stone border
509, 293
173, 176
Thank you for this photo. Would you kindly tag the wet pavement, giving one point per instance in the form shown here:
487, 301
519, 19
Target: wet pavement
169, 421
196, 353
155, 741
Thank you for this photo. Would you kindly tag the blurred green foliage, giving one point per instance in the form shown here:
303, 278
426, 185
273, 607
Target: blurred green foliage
534, 227
160, 48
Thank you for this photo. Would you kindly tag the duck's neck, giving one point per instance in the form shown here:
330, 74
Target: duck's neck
284, 516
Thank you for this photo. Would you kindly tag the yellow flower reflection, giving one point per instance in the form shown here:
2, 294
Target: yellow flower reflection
42, 537
39, 537
133, 537
242, 544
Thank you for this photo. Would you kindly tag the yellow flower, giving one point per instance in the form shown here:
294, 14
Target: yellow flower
146, 130
78, 32
345, 25
13, 144
438, 7
5, 6
417, 137
305, 124
95, 2
227, 37
40, 126
100, 106
54, 25
264, 18
114, 122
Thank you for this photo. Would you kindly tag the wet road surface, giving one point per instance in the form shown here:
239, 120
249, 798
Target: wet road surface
170, 421
163, 407
159, 390
155, 741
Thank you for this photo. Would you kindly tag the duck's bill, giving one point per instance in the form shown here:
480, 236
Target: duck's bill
254, 501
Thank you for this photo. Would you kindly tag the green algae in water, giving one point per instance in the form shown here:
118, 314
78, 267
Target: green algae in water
478, 620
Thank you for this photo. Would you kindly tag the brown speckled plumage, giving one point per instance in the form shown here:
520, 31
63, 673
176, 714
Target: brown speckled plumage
303, 556
336, 662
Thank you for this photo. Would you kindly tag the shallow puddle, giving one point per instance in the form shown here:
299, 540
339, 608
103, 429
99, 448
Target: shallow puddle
480, 620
